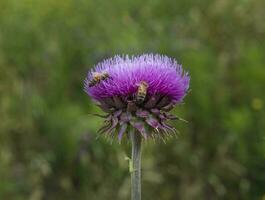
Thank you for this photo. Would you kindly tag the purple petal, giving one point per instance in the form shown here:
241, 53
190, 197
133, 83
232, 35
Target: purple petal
163, 75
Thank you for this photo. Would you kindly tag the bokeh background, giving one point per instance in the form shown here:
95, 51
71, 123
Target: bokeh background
48, 146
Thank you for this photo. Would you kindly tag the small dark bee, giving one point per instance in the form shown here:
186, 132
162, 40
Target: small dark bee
141, 92
97, 77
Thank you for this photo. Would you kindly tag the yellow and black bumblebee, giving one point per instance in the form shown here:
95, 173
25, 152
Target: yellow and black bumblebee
141, 92
97, 77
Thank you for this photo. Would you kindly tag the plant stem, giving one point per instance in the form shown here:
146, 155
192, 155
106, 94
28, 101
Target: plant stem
136, 166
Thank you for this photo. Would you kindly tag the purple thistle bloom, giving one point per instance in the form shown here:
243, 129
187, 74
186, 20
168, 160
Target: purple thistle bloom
137, 92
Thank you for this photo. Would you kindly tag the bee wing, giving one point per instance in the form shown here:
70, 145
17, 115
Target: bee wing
96, 74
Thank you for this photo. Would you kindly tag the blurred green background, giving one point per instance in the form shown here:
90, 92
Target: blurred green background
48, 146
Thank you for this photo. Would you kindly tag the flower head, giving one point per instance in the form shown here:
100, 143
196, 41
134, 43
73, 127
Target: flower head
137, 92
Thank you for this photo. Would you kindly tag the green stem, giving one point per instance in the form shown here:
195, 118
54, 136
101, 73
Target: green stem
136, 166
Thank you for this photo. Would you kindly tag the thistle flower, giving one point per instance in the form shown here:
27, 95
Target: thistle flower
137, 93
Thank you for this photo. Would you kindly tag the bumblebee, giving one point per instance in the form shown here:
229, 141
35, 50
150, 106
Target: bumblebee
97, 77
141, 92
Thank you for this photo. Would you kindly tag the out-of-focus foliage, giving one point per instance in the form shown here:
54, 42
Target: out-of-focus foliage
48, 146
